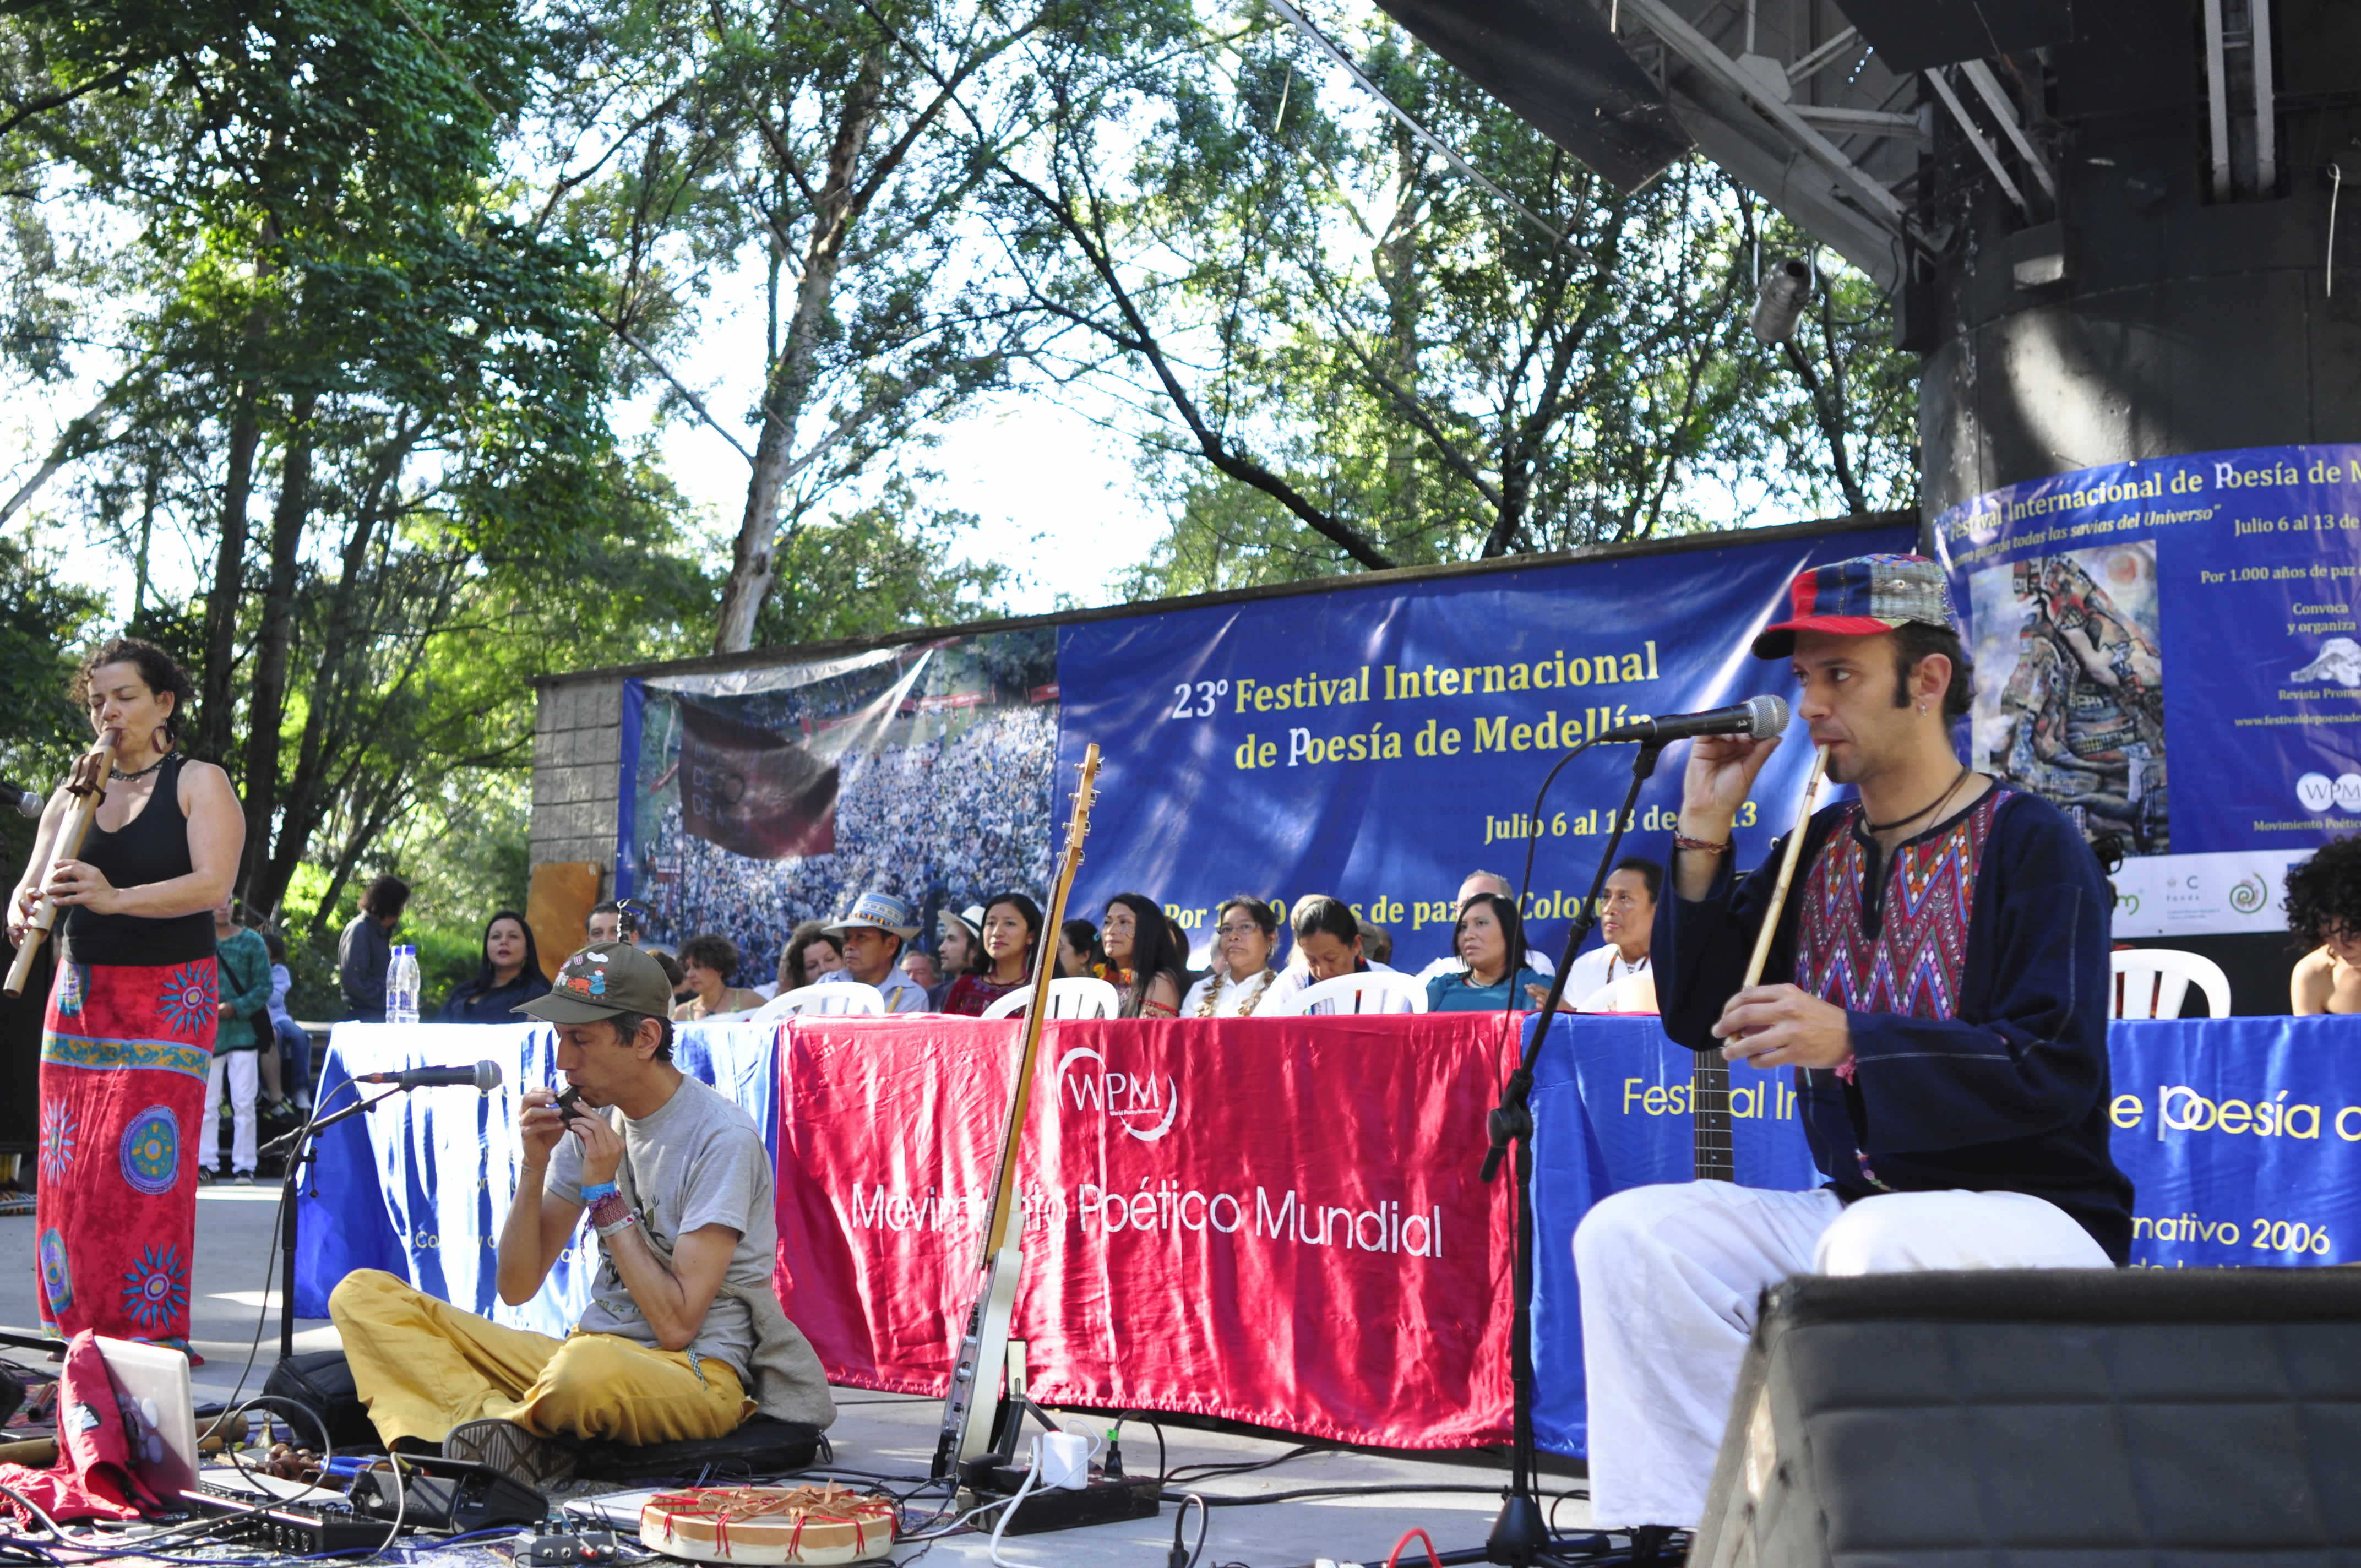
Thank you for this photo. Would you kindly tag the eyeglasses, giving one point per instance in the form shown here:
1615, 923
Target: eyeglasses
1247, 929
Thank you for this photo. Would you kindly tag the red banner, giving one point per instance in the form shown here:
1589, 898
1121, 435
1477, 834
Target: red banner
1274, 1220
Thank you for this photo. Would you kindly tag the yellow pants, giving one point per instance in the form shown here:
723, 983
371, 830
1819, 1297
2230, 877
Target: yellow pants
422, 1366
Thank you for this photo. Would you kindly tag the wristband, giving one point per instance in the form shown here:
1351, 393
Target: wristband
598, 1189
1702, 845
631, 1217
609, 1209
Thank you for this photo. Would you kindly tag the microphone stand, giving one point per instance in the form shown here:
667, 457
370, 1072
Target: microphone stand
1520, 1533
295, 1146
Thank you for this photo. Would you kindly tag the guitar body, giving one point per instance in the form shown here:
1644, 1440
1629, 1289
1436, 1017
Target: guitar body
983, 1354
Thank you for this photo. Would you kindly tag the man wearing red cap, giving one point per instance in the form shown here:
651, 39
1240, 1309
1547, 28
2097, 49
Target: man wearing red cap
1939, 979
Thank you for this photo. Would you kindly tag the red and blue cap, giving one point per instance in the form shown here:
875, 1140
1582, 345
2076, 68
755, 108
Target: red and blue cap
1860, 597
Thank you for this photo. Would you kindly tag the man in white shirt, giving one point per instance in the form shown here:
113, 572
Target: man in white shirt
1452, 963
871, 937
1627, 917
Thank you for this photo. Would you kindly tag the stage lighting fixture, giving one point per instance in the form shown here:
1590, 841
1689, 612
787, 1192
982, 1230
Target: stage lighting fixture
1780, 301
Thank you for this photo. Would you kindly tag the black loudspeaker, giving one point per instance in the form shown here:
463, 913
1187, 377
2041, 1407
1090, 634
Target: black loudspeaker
2069, 1418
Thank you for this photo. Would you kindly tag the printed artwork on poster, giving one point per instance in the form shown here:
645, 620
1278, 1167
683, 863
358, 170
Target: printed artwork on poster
2070, 692
761, 799
2233, 571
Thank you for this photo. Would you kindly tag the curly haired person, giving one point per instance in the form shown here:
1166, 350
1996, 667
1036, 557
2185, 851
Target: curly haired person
2323, 911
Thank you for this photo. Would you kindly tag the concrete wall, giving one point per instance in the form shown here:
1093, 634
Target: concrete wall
577, 734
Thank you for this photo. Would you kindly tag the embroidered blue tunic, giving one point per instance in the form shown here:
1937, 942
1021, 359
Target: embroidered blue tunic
1973, 969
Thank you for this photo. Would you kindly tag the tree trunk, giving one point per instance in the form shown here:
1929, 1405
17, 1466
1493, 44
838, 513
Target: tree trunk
217, 692
1397, 271
274, 641
753, 562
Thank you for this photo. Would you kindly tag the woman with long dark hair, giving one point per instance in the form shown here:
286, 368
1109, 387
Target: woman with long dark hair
1012, 931
1491, 939
128, 1041
510, 975
1245, 933
1135, 956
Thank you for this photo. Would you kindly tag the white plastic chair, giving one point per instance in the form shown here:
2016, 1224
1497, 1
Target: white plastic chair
1378, 990
2150, 983
842, 997
1087, 997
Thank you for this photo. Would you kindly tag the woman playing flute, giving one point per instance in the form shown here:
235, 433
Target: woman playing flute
127, 1039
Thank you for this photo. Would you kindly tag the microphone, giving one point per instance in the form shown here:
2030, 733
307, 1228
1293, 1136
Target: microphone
1756, 718
28, 801
484, 1077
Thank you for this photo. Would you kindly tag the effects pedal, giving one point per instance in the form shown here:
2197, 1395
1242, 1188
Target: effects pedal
571, 1549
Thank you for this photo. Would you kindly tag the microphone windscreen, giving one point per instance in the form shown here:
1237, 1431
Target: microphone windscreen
488, 1076
1767, 716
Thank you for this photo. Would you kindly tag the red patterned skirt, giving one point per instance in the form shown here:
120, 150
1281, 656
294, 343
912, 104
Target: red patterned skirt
124, 1050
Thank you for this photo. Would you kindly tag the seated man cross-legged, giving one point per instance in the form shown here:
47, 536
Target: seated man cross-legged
1938, 984
683, 1324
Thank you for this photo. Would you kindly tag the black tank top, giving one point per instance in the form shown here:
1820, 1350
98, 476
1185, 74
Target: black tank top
151, 847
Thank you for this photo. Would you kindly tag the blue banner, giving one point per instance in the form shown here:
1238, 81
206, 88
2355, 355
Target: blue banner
2168, 651
419, 1186
1379, 741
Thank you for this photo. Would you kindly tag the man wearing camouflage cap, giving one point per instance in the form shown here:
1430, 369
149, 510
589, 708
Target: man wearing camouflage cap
684, 1337
1938, 979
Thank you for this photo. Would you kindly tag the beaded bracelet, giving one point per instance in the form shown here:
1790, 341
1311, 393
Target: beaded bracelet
1702, 845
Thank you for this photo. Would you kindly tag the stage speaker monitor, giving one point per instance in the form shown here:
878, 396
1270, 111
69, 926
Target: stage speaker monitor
2063, 1417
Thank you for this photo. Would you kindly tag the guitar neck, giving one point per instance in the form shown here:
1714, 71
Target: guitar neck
1709, 1112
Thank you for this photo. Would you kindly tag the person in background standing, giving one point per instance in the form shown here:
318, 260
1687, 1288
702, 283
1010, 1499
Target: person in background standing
1245, 933
509, 977
127, 1038
1012, 929
1135, 957
617, 920
245, 965
707, 962
294, 1040
810, 953
366, 949
1077, 940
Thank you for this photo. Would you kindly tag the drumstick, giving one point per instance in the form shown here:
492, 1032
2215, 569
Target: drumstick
1786, 872
88, 783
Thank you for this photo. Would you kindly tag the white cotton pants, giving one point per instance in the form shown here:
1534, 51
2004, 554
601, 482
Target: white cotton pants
1670, 1279
242, 1072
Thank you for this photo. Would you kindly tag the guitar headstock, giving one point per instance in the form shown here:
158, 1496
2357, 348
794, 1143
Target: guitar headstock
1085, 795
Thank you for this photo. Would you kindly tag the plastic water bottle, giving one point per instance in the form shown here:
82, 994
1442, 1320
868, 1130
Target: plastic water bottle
401, 986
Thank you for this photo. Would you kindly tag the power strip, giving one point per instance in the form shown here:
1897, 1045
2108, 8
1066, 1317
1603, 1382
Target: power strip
1107, 1500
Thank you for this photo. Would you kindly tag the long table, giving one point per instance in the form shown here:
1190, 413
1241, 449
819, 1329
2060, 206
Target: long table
1272, 1221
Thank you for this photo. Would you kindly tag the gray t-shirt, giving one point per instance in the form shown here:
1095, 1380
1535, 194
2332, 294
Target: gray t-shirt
697, 1161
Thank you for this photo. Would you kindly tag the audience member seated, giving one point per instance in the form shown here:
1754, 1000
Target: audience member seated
509, 977
1190, 974
1473, 884
1135, 957
707, 962
294, 1040
1377, 941
683, 1338
872, 938
810, 953
1012, 930
1491, 943
1327, 944
1077, 940
919, 965
1244, 933
1627, 918
2323, 910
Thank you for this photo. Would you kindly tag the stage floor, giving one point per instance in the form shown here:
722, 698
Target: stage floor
894, 1435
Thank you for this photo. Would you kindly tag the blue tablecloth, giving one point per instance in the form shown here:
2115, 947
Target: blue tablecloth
2241, 1136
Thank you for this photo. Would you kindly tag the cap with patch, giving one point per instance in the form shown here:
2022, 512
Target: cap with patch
878, 912
601, 981
1860, 597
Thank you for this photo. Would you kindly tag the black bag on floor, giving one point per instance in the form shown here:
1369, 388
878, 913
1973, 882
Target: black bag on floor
321, 1383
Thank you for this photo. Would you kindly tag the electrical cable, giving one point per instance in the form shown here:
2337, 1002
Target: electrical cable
1031, 1476
1217, 1470
1414, 1533
1379, 1489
